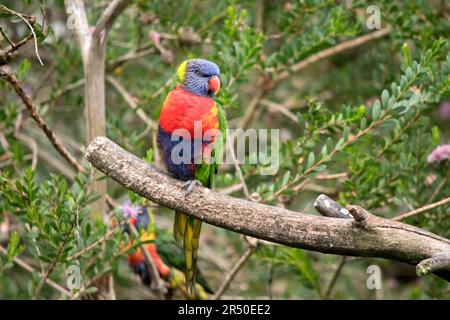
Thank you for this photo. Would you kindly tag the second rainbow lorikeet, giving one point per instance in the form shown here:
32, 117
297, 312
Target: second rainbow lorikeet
140, 219
187, 108
165, 253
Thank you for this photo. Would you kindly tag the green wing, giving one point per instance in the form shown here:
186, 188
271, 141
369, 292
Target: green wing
205, 174
188, 228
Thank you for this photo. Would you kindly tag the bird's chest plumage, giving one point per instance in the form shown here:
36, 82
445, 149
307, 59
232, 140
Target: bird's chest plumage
191, 117
187, 111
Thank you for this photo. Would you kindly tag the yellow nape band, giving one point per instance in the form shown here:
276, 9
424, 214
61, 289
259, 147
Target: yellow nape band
181, 71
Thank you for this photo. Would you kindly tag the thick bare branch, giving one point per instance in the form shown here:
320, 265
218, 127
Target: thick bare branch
106, 21
93, 44
77, 21
375, 237
438, 262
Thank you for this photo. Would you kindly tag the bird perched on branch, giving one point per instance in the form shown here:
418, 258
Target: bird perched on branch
191, 137
138, 217
164, 252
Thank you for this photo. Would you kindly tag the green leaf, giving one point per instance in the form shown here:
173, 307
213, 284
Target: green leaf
346, 133
406, 52
311, 159
286, 177
435, 135
409, 73
363, 123
385, 98
376, 110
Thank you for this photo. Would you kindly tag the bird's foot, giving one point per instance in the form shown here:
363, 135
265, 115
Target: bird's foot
189, 186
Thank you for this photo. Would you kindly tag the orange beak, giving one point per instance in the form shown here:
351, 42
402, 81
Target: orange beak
214, 84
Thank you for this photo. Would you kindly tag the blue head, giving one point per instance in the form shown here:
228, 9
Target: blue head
200, 77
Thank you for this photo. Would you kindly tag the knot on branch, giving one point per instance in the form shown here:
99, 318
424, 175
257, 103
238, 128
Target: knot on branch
5, 71
438, 262
255, 197
359, 214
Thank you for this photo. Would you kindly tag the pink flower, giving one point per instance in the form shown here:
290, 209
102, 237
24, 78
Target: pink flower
130, 210
444, 110
154, 36
439, 154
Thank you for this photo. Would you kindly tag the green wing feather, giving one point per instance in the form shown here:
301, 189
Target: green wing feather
187, 229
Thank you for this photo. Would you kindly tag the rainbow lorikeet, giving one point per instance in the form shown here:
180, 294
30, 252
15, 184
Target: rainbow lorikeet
190, 116
140, 219
163, 250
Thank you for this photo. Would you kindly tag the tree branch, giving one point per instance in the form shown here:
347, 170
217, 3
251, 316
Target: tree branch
30, 269
6, 74
230, 276
368, 236
106, 21
341, 47
93, 46
77, 20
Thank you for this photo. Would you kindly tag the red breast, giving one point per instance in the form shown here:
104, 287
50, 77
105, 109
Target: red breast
182, 109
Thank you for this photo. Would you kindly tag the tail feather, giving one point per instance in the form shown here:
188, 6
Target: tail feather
187, 230
179, 226
191, 242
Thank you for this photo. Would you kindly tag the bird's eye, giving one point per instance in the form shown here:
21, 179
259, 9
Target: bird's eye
198, 73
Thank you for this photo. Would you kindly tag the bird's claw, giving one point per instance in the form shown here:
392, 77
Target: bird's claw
189, 186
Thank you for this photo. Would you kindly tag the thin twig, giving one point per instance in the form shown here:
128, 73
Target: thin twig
276, 107
14, 82
238, 169
129, 56
439, 188
55, 260
250, 110
6, 37
232, 273
30, 269
94, 244
30, 27
331, 176
231, 189
5, 56
49, 159
331, 51
422, 209
130, 101
336, 275
55, 95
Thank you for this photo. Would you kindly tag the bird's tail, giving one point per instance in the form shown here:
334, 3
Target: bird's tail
187, 230
179, 226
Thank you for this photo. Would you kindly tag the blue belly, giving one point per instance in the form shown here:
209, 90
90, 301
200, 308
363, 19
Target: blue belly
186, 169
